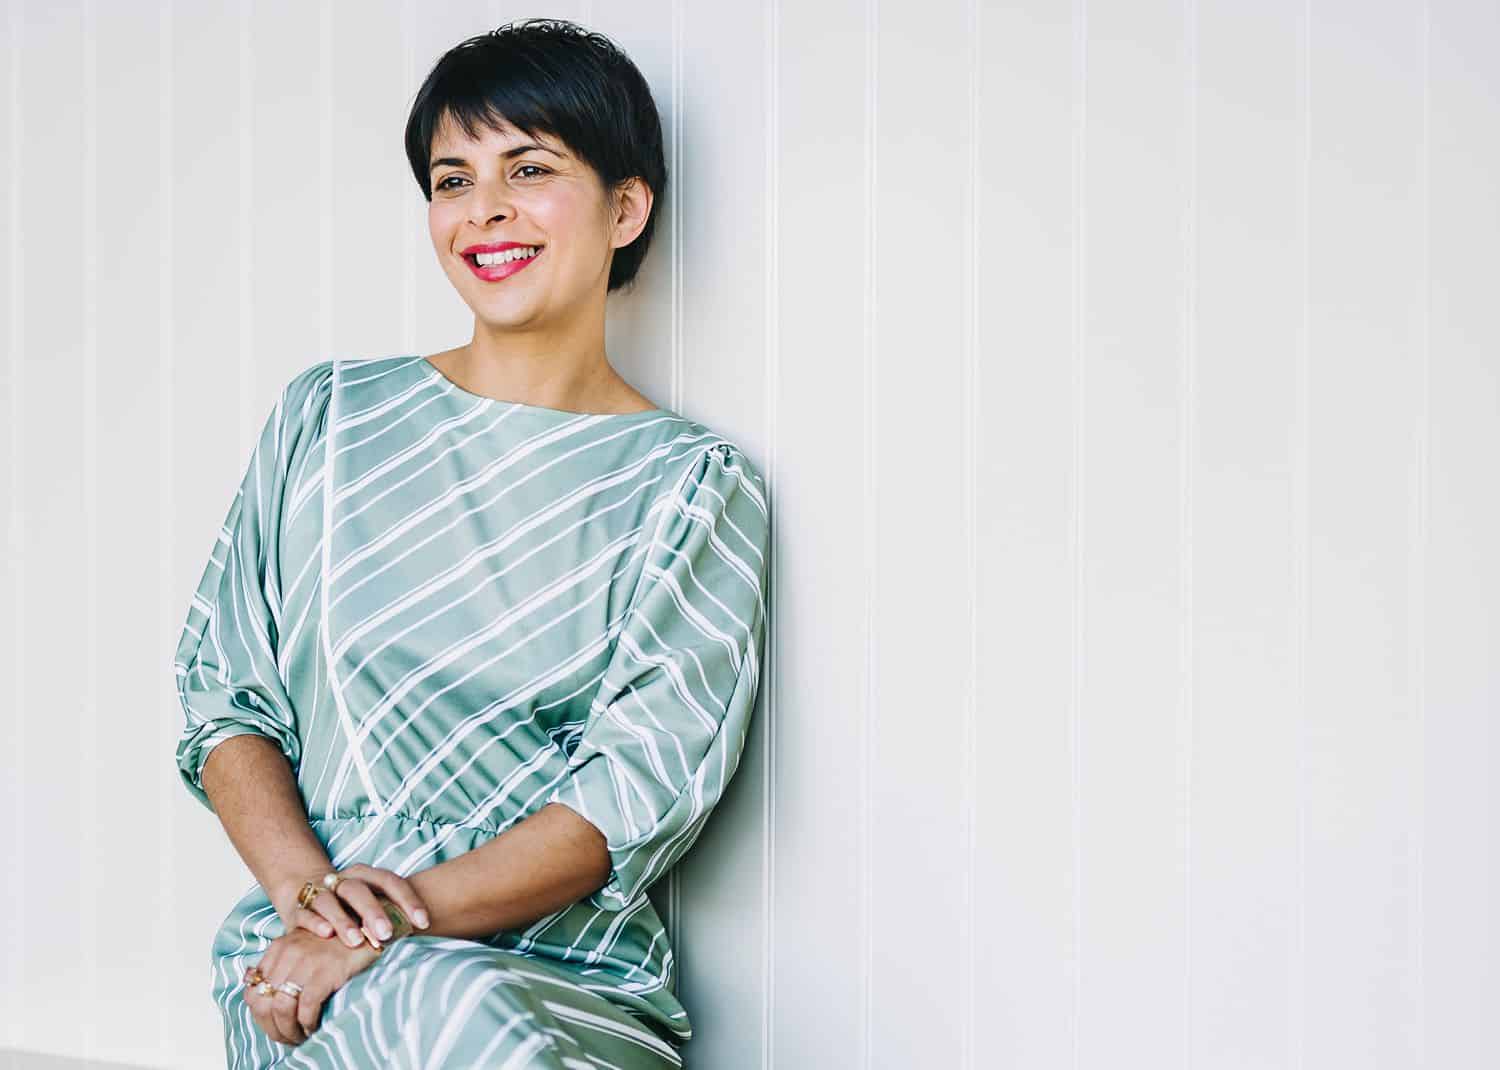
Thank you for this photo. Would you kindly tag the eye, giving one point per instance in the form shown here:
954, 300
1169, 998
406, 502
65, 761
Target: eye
443, 185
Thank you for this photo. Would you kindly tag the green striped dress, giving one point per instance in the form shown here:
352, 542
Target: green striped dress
449, 611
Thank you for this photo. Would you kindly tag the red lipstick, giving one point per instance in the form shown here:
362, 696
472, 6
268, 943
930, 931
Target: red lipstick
496, 272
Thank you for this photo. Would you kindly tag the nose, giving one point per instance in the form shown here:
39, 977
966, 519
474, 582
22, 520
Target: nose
489, 203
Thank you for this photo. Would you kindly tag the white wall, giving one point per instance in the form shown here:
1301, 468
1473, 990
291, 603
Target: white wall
1126, 376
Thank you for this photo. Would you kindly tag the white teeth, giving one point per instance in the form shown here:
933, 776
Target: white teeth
489, 259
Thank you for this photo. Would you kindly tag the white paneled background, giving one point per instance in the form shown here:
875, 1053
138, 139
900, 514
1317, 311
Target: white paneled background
1127, 380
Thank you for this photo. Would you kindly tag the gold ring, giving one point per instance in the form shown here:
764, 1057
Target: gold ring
253, 976
264, 988
307, 895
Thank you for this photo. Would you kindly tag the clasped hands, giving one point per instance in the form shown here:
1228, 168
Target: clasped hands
308, 955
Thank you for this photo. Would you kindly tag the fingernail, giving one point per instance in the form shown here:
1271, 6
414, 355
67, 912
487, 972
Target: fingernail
325, 929
383, 927
420, 917
352, 937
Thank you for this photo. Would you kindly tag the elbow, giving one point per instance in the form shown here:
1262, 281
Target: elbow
590, 845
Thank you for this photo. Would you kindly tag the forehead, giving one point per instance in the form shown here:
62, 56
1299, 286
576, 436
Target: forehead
449, 138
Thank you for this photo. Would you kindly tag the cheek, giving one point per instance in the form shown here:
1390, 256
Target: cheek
440, 227
569, 220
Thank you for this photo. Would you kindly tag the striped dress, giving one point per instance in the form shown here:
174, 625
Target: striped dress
448, 611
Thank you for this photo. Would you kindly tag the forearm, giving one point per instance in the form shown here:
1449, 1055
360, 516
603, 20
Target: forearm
256, 798
534, 868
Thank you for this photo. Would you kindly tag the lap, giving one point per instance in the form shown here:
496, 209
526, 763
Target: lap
434, 1001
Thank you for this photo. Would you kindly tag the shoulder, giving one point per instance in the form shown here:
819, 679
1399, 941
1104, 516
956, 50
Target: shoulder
308, 385
717, 486
732, 467
298, 418
706, 456
305, 391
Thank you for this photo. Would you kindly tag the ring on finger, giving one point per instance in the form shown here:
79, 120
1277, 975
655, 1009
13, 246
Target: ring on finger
290, 988
308, 893
331, 881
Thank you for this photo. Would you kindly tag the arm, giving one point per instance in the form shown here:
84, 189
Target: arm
240, 739
253, 791
536, 867
665, 733
255, 796
666, 729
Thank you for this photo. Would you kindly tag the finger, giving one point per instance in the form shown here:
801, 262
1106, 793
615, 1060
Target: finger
398, 889
310, 1009
313, 922
263, 1004
260, 1010
331, 907
357, 893
284, 1014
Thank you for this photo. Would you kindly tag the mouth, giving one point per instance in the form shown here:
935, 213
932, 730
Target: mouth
492, 267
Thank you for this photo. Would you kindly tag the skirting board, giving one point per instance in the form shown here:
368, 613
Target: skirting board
29, 1060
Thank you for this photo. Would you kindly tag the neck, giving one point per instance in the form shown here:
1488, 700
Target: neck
568, 371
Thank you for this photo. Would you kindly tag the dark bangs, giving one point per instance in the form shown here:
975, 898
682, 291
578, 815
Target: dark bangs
552, 77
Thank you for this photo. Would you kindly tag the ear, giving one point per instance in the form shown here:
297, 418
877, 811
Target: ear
632, 207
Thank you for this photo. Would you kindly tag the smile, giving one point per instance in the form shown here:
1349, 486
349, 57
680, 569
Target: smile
504, 269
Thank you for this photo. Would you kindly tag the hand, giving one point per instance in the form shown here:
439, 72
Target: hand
356, 890
320, 966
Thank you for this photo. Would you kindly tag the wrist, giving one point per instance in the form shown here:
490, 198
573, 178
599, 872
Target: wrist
284, 890
358, 959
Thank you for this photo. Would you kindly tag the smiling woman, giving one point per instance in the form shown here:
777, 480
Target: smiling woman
596, 124
540, 201
491, 621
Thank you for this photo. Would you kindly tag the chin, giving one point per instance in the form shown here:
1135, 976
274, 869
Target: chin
503, 319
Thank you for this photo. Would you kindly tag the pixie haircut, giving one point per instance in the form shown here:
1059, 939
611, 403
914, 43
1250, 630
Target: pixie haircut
551, 77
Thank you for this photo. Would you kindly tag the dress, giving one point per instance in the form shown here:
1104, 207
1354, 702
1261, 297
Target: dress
517, 605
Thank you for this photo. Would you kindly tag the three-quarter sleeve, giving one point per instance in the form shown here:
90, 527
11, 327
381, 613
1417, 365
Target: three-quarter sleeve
668, 724
225, 664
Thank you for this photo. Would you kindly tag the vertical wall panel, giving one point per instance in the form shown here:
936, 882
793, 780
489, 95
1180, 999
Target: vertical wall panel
1458, 700
51, 494
1029, 241
289, 182
1128, 385
1133, 546
366, 180
12, 587
641, 326
1245, 321
917, 597
131, 721
821, 704
1362, 821
721, 136
217, 396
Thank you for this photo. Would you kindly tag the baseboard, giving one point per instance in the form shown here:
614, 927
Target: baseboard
11, 1059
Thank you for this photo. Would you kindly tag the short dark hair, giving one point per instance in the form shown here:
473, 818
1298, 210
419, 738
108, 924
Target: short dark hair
553, 77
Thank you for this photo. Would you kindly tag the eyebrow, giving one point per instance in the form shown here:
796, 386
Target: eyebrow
459, 161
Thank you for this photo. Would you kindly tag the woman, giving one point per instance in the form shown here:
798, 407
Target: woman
489, 621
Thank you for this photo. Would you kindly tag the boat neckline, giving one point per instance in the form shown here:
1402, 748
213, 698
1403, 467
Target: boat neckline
434, 372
